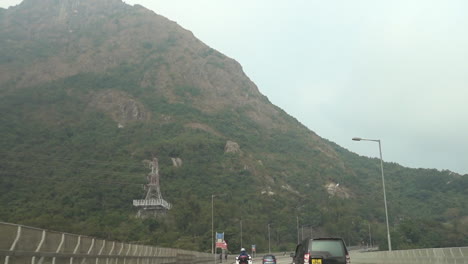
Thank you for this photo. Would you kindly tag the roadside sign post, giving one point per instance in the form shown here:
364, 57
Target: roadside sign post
222, 244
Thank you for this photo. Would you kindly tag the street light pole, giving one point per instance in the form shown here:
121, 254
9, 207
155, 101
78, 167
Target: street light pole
241, 232
302, 232
269, 250
383, 184
212, 225
297, 226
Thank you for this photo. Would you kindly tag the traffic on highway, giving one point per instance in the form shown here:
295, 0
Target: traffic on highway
280, 258
312, 250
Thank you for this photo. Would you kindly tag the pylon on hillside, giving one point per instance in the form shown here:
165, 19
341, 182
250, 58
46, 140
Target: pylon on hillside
153, 205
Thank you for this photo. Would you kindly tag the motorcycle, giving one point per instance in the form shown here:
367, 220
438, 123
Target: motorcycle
244, 259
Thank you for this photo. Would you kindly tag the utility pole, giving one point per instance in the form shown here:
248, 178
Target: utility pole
297, 225
241, 232
269, 249
212, 224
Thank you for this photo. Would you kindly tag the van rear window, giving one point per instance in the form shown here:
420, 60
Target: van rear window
334, 247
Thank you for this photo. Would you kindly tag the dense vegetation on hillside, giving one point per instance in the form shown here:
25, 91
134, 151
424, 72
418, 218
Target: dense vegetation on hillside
67, 165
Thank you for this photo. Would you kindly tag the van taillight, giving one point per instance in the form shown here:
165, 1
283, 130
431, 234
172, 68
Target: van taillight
306, 258
348, 259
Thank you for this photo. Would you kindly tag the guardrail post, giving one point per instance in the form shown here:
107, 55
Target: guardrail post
453, 256
445, 256
151, 259
156, 252
119, 254
100, 251
146, 254
128, 251
13, 245
33, 260
59, 248
89, 250
76, 249
110, 253
135, 253
139, 254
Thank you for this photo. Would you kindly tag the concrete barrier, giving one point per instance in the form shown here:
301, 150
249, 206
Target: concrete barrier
27, 245
417, 256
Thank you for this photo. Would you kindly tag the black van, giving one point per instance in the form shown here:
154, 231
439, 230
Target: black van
321, 251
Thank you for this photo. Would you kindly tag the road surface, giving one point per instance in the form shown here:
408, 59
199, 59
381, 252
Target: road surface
258, 260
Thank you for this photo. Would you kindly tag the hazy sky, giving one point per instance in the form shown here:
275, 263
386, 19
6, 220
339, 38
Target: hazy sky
391, 70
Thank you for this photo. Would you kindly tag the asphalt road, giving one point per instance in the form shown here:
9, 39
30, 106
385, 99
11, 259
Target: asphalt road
280, 259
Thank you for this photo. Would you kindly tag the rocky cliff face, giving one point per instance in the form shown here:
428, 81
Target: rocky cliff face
121, 107
63, 38
44, 41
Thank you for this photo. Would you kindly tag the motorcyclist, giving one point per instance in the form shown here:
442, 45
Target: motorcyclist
243, 252
243, 257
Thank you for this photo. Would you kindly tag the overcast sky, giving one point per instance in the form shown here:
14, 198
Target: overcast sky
391, 70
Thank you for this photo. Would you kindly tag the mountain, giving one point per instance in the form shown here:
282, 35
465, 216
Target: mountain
89, 90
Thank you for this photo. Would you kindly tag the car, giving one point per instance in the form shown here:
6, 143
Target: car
269, 259
325, 250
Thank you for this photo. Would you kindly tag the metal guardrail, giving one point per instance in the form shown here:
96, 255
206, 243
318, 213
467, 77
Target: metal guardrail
416, 256
27, 245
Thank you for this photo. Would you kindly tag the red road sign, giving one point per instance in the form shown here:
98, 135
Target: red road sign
222, 245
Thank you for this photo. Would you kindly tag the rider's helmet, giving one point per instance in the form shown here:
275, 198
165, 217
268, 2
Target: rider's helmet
243, 252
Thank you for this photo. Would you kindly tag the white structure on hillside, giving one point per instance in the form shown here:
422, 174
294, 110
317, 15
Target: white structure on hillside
153, 205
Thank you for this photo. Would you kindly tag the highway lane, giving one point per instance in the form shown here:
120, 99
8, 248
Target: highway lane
282, 259
258, 260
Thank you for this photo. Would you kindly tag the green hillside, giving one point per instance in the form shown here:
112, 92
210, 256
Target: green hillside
86, 98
